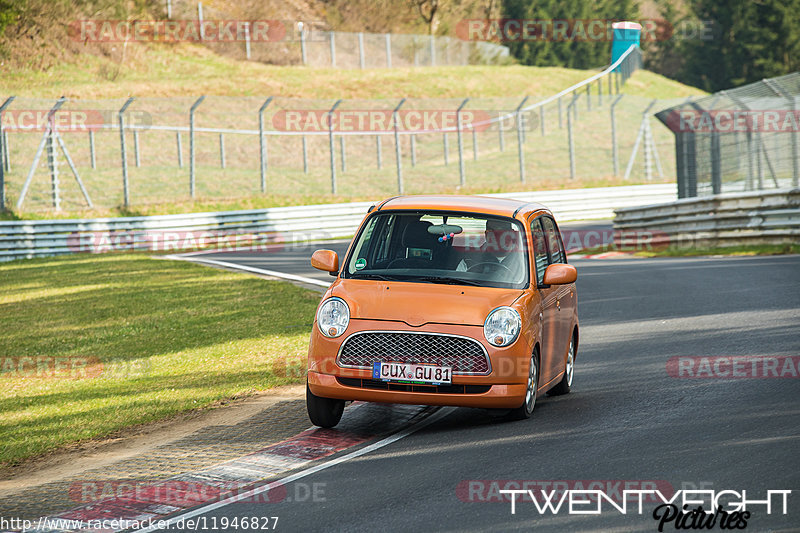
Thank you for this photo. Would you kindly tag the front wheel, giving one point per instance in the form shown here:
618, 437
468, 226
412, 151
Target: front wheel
565, 384
323, 412
525, 410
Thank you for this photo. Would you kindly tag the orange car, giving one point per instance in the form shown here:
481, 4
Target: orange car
445, 300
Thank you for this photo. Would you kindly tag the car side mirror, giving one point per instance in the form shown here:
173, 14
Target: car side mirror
559, 274
326, 260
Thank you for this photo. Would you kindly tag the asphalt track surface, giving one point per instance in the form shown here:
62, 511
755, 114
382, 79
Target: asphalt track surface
626, 419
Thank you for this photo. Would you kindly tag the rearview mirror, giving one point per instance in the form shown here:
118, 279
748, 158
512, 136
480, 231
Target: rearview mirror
326, 260
560, 274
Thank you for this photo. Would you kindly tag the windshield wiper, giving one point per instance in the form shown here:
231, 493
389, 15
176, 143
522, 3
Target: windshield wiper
373, 276
448, 281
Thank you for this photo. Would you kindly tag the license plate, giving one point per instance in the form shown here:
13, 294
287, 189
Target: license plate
412, 374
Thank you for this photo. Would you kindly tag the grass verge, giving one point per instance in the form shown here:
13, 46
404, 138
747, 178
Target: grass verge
92, 345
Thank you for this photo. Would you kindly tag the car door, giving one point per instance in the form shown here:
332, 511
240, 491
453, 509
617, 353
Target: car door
548, 315
564, 297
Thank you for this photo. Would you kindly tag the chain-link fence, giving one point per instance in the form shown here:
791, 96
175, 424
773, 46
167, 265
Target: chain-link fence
741, 139
109, 153
292, 42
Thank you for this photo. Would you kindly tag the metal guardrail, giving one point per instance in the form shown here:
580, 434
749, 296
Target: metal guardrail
284, 226
762, 217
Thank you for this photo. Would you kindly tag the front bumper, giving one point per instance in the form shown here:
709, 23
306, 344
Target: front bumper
506, 383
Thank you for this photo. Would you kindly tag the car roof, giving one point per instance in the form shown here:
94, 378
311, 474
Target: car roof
488, 205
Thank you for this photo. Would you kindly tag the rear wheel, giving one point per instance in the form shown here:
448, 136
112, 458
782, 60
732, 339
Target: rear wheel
323, 412
525, 410
565, 384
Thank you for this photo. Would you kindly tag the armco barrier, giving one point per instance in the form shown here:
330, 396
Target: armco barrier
34, 238
760, 217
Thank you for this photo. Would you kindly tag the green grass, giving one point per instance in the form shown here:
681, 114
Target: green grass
157, 337
683, 251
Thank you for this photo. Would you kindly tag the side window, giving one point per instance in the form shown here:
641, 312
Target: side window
539, 249
554, 245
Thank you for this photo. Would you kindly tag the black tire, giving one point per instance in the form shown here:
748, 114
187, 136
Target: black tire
565, 385
323, 412
524, 411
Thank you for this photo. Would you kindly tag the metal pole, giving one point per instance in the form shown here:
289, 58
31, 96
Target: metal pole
610, 76
125, 188
262, 144
541, 122
333, 49
73, 169
560, 119
180, 148
793, 139
91, 149
7, 151
344, 154
305, 155
4, 157
378, 154
32, 170
500, 134
303, 45
361, 60
136, 148
520, 154
461, 173
247, 40
614, 147
600, 93
200, 20
52, 162
397, 159
192, 145
388, 37
330, 142
446, 149
221, 150
589, 97
433, 51
474, 144
571, 140
413, 150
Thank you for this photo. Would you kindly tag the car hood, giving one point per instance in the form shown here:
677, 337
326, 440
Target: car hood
418, 304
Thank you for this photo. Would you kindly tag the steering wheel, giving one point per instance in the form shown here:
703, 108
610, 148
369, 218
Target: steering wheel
494, 265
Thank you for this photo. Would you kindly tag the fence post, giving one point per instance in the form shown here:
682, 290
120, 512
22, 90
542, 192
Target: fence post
560, 119
474, 143
7, 151
795, 157
333, 49
247, 40
4, 158
388, 37
179, 145
397, 159
361, 60
222, 150
610, 80
91, 149
446, 149
433, 51
413, 150
305, 155
541, 122
330, 142
200, 20
461, 174
614, 147
125, 188
52, 163
344, 155
571, 140
588, 97
378, 154
191, 144
136, 148
262, 144
500, 134
520, 154
301, 27
600, 93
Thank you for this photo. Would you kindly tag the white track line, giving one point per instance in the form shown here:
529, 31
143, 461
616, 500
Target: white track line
307, 472
254, 270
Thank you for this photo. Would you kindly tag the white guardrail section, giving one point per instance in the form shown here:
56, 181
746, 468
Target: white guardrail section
761, 217
239, 229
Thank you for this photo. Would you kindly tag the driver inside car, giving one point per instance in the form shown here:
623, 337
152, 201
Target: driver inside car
500, 253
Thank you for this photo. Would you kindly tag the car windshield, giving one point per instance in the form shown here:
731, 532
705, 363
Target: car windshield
441, 247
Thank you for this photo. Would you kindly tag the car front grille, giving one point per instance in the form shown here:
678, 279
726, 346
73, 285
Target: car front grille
376, 384
464, 355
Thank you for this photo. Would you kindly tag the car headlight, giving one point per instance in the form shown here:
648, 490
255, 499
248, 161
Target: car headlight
333, 317
502, 326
